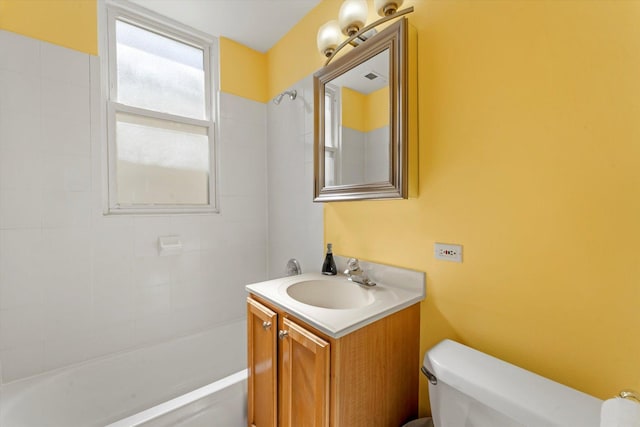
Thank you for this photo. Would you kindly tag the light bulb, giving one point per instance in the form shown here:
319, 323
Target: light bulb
328, 37
387, 7
352, 16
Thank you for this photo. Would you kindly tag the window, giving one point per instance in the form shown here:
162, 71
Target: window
331, 136
160, 127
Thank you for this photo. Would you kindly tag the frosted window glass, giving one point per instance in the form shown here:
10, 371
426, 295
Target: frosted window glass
329, 124
159, 73
161, 162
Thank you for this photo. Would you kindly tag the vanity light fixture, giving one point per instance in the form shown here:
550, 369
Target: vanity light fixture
352, 16
351, 22
329, 37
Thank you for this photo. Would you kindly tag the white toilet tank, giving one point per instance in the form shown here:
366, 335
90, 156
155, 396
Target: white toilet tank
474, 389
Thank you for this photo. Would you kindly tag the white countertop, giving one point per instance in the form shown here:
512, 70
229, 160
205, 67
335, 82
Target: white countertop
387, 299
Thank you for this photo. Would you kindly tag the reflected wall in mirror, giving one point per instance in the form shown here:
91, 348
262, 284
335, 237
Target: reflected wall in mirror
360, 121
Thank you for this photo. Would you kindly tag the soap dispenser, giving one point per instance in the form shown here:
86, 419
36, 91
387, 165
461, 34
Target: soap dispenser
329, 265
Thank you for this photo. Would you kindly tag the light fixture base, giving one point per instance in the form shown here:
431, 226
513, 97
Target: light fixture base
390, 9
351, 30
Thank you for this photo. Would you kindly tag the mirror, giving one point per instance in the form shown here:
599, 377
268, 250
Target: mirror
360, 100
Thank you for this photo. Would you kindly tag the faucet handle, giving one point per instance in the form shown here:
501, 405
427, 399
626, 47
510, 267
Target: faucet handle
353, 265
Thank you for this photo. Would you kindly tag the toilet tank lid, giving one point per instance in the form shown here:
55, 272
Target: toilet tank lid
516, 392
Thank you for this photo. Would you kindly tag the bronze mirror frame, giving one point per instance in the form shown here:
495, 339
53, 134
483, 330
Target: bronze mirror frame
393, 38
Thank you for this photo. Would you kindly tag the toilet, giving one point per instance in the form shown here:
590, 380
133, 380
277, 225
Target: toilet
468, 388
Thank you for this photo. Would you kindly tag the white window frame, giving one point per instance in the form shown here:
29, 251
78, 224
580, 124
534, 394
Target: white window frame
114, 10
336, 135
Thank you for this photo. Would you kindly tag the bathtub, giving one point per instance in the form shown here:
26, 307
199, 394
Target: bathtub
198, 380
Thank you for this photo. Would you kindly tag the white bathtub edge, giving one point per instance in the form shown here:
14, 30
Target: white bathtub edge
180, 401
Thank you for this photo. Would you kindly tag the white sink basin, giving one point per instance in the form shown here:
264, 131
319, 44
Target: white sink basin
336, 306
334, 294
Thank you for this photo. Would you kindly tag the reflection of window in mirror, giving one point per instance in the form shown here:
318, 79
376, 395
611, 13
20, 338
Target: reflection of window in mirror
332, 136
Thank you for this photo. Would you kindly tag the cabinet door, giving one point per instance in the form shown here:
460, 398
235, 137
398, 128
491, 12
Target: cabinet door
262, 325
304, 383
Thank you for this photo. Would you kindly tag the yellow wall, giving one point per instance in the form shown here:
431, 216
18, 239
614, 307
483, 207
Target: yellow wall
68, 23
243, 71
529, 137
362, 112
377, 108
353, 109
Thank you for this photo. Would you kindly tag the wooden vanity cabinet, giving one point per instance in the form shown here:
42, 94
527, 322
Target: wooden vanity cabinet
304, 377
299, 376
262, 333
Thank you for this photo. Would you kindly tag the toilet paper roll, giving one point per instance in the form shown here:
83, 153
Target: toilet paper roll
618, 412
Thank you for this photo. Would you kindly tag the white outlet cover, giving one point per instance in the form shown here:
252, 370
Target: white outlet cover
448, 252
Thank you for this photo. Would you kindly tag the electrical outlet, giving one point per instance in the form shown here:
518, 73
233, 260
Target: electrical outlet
448, 252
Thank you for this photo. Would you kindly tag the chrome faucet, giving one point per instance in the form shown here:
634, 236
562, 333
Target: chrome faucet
355, 274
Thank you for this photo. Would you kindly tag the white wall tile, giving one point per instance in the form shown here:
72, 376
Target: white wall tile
66, 137
193, 293
20, 170
152, 329
19, 92
295, 222
21, 287
66, 209
75, 284
110, 309
248, 180
63, 352
306, 89
196, 318
65, 101
238, 132
68, 173
152, 271
20, 208
67, 266
67, 321
112, 338
21, 362
19, 53
308, 149
20, 132
243, 208
188, 228
245, 110
153, 300
147, 230
21, 326
210, 227
21, 279
113, 279
113, 238
64, 65
185, 267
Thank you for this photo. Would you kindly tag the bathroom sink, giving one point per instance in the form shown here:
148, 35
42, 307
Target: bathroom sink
331, 293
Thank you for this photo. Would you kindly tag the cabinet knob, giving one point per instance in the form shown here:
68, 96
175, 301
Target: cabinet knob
283, 334
266, 325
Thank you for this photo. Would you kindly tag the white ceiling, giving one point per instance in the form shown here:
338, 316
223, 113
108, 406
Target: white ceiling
355, 78
258, 24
